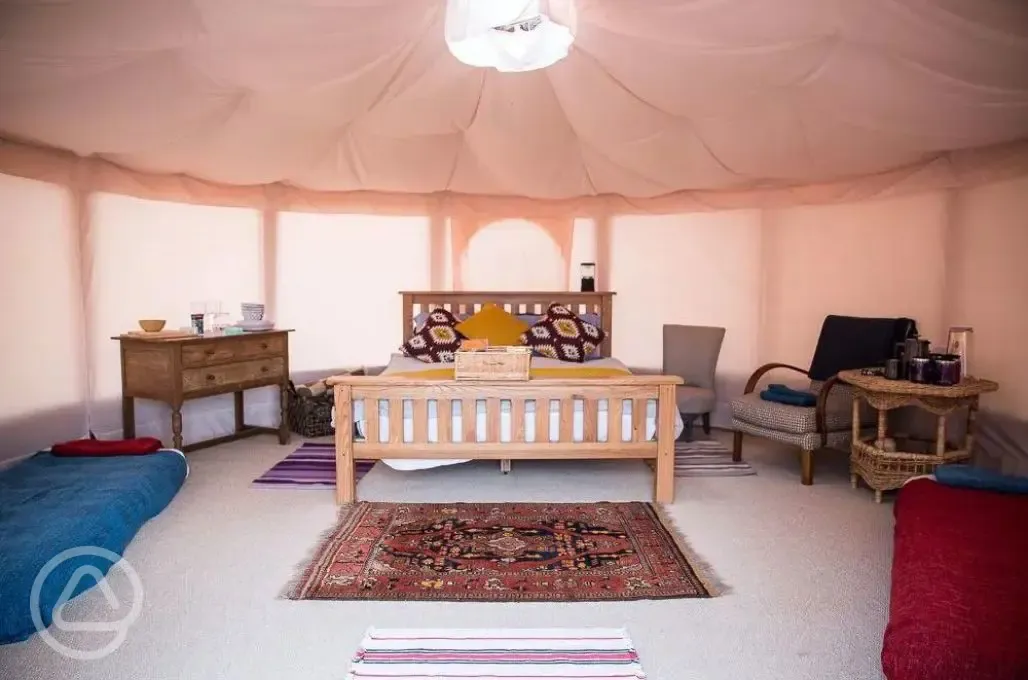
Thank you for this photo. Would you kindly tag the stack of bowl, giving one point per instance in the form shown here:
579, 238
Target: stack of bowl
253, 311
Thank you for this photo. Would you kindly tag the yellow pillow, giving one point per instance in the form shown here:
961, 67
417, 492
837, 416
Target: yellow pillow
494, 324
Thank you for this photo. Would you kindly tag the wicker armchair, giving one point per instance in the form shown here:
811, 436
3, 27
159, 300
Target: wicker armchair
845, 343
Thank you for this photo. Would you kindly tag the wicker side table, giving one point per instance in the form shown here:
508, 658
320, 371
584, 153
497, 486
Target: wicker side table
884, 470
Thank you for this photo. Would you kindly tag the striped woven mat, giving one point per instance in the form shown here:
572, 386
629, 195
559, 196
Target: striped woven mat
708, 458
496, 654
312, 466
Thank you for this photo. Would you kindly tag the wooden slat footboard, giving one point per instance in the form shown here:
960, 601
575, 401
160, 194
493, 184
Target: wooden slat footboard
388, 440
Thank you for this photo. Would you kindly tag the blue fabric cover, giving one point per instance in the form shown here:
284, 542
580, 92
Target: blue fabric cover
49, 504
971, 477
783, 394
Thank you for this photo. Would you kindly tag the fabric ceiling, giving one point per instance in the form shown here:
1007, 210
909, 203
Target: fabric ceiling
655, 97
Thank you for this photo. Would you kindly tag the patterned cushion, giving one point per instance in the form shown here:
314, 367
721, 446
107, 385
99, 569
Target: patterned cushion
840, 439
494, 324
784, 417
436, 341
562, 335
750, 408
439, 317
420, 319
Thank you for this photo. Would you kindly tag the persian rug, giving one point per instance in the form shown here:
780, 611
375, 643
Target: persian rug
502, 552
312, 466
708, 458
488, 654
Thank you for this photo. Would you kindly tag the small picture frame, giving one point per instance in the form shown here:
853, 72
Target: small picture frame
959, 343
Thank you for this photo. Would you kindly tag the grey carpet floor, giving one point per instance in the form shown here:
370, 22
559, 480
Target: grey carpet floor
807, 568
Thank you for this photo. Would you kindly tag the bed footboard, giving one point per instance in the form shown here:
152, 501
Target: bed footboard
615, 396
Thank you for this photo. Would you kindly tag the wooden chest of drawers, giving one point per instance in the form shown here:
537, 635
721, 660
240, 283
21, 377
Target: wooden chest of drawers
175, 370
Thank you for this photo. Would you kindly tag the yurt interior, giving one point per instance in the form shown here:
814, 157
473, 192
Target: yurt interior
710, 360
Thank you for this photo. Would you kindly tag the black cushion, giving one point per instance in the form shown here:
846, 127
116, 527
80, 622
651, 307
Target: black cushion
848, 342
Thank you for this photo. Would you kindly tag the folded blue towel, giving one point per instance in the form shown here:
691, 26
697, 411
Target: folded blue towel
792, 397
785, 389
971, 477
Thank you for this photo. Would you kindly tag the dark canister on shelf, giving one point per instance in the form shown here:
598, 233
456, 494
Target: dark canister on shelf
588, 272
892, 369
912, 348
946, 369
919, 369
899, 353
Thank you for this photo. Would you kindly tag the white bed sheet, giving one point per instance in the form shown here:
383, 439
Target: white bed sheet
402, 364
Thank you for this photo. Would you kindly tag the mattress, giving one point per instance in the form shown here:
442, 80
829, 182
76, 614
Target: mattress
401, 365
53, 504
958, 591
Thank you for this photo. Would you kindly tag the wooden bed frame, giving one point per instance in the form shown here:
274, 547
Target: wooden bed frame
591, 391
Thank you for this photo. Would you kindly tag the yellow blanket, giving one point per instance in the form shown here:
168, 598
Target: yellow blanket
563, 372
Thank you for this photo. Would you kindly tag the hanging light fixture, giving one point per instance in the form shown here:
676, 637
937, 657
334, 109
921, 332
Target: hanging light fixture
510, 35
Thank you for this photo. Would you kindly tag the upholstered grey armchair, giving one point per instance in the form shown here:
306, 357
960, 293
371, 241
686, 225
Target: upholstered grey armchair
845, 342
691, 352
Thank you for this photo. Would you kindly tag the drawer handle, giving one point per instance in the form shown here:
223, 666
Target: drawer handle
264, 345
211, 377
264, 369
209, 352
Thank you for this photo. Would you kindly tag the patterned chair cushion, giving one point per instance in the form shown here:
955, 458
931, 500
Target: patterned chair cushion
811, 441
750, 408
562, 335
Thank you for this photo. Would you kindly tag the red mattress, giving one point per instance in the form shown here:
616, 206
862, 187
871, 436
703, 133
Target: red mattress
959, 599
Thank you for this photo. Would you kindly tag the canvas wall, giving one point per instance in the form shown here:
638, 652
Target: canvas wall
768, 276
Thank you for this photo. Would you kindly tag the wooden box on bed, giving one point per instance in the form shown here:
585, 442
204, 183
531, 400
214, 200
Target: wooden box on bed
589, 391
493, 363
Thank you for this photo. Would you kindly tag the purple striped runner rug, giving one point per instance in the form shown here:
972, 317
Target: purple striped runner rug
312, 466
496, 654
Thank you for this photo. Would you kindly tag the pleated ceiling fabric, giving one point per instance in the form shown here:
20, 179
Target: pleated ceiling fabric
722, 99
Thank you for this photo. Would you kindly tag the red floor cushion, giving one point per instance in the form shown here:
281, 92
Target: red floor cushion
959, 597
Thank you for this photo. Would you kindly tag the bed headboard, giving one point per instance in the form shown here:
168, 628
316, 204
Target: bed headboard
515, 302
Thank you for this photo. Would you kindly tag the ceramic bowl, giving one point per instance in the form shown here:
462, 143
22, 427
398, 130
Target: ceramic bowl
152, 325
252, 311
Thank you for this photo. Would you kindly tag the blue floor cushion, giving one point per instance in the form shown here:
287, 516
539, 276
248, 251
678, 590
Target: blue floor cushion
49, 505
972, 477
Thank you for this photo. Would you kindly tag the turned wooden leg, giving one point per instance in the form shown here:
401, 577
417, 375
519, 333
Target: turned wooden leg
878, 496
176, 426
283, 410
807, 467
505, 465
737, 446
238, 410
706, 423
853, 480
128, 418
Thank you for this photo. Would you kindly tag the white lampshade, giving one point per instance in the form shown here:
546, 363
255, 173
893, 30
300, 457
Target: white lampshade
473, 39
